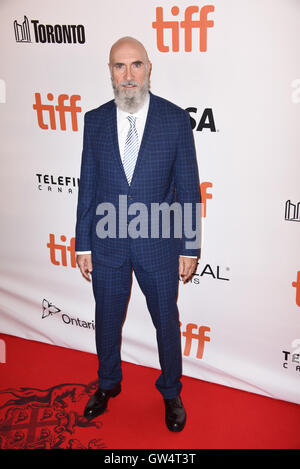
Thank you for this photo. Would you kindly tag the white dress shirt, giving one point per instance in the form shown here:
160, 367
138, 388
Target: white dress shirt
123, 124
123, 128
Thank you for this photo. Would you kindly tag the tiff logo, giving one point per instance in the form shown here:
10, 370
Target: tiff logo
2, 91
62, 249
198, 336
61, 108
204, 196
292, 211
22, 32
296, 284
2, 351
188, 24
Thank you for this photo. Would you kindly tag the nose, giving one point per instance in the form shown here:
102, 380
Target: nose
128, 73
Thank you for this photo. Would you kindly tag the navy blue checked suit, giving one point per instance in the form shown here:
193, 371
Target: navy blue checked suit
165, 171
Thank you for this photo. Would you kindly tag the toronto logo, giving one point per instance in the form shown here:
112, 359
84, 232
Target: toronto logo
292, 211
22, 31
47, 33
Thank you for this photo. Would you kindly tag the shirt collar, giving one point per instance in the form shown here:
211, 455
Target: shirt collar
140, 113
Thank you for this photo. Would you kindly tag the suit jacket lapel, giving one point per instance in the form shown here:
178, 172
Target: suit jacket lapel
113, 129
150, 125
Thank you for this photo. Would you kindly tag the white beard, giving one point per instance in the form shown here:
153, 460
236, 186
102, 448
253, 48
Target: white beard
130, 100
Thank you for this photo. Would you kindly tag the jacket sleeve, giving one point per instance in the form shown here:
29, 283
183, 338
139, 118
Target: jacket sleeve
188, 189
86, 193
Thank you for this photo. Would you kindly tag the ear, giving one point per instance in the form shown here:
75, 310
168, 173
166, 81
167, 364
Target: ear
149, 68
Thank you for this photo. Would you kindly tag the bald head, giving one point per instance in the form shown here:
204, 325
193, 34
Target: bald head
127, 43
130, 70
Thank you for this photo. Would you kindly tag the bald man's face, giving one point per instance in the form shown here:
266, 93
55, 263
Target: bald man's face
128, 66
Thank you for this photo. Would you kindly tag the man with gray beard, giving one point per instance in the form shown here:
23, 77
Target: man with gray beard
141, 146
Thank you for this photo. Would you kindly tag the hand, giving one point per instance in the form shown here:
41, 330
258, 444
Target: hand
84, 262
187, 266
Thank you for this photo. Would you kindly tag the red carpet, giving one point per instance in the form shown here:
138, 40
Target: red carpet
43, 391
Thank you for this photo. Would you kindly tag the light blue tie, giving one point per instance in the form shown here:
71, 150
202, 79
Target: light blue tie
131, 149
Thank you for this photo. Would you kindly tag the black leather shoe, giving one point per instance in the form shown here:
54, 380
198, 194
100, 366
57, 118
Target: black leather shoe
175, 414
98, 402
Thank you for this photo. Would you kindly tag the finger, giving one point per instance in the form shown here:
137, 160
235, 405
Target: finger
187, 276
89, 266
86, 275
183, 275
181, 266
83, 270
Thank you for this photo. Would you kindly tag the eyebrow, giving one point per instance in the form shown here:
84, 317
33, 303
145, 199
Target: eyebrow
135, 62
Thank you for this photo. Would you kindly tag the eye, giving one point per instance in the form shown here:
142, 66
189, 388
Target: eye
138, 64
119, 66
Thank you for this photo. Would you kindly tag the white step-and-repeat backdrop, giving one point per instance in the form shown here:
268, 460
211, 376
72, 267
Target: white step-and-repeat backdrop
234, 65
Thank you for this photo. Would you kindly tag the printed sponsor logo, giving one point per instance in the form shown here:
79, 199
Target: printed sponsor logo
60, 252
296, 285
62, 110
209, 271
49, 310
188, 24
205, 196
292, 211
291, 359
33, 31
206, 120
57, 184
195, 334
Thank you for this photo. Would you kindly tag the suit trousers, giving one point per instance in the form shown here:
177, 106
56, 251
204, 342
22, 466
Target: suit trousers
111, 287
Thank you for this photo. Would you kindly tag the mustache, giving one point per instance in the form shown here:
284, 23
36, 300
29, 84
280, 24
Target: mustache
129, 83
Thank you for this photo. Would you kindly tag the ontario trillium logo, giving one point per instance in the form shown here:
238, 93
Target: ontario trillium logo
49, 309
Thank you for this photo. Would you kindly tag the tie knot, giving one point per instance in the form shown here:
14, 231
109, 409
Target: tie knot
132, 120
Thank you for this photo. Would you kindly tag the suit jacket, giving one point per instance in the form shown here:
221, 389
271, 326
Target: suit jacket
165, 171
